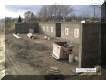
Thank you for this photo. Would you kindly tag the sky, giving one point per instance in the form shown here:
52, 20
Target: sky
78, 10
9, 7
16, 10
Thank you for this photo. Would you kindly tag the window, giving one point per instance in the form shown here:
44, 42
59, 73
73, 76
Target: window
67, 31
51, 29
76, 33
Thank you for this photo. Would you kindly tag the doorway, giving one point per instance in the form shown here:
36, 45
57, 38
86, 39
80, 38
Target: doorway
58, 29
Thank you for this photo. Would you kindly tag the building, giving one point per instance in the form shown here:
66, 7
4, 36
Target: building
103, 34
26, 27
84, 36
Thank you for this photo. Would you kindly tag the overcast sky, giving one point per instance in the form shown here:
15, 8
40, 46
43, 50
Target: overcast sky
7, 8
78, 10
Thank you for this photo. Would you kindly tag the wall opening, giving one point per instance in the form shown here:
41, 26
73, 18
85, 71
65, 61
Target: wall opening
58, 29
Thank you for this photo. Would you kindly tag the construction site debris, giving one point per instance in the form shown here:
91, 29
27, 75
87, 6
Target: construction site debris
45, 37
61, 50
16, 36
32, 36
29, 35
53, 70
33, 56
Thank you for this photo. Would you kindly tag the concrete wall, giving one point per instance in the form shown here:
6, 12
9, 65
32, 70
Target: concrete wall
91, 41
103, 44
103, 34
85, 37
71, 31
24, 27
103, 12
48, 28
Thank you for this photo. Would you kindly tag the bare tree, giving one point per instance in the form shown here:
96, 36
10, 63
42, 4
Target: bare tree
43, 12
96, 8
55, 11
29, 16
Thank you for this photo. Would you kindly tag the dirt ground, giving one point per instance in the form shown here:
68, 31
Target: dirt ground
26, 56
33, 57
